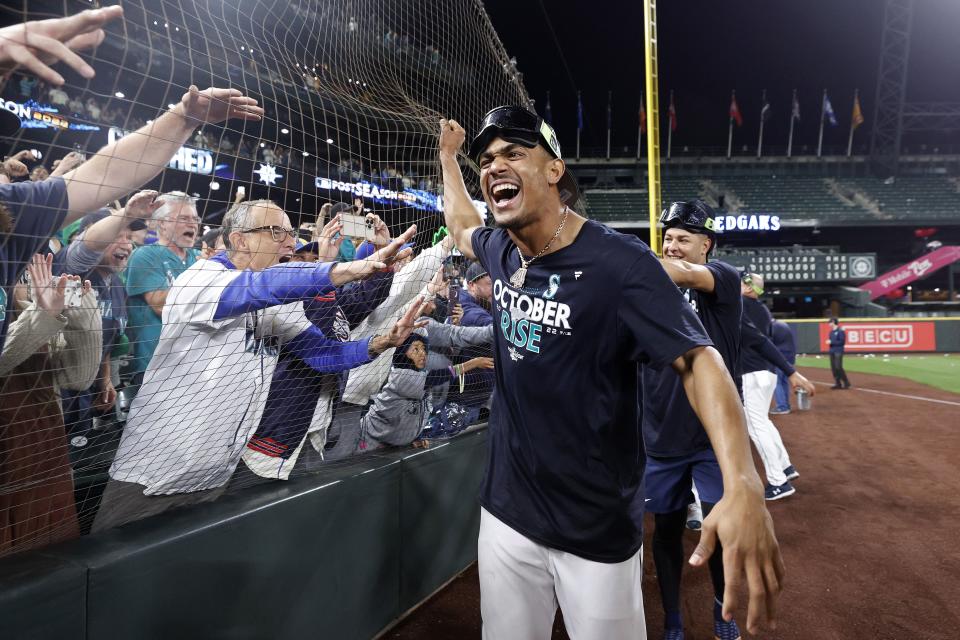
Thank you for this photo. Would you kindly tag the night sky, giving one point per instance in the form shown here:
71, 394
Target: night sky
708, 48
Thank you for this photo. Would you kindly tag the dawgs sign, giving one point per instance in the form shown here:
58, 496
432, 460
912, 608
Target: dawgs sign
884, 336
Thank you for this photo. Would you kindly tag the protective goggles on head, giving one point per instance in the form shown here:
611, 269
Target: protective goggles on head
694, 216
748, 280
523, 127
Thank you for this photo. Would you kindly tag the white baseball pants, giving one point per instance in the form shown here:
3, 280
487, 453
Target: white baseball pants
758, 388
522, 582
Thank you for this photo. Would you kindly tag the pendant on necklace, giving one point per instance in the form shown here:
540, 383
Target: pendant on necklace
518, 277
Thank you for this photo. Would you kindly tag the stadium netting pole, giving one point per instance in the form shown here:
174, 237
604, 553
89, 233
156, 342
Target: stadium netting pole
653, 118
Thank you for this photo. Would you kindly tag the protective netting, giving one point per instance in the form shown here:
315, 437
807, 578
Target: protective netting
197, 366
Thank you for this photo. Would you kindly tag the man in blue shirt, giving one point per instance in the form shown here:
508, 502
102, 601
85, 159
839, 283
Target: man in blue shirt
837, 341
786, 343
99, 254
577, 306
154, 267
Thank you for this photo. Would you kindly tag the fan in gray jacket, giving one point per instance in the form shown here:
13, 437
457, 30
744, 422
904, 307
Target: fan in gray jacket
398, 413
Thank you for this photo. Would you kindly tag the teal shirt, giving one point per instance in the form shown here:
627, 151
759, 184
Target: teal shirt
151, 268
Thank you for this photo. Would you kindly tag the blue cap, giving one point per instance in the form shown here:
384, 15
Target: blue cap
366, 249
307, 247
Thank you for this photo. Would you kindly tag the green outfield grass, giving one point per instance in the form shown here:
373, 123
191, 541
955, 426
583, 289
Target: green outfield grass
937, 370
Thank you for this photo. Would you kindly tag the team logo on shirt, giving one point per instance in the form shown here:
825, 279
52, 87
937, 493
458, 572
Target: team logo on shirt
553, 288
524, 318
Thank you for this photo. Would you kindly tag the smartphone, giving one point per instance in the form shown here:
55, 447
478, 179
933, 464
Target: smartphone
453, 295
73, 292
358, 227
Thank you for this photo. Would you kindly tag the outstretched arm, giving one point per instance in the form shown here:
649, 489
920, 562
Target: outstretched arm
459, 214
740, 520
688, 275
124, 165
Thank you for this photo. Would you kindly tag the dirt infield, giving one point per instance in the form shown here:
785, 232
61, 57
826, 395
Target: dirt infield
869, 538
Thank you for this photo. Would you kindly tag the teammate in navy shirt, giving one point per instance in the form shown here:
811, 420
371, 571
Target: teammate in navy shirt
577, 306
678, 449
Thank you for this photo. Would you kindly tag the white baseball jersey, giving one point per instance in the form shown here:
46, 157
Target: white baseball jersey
205, 388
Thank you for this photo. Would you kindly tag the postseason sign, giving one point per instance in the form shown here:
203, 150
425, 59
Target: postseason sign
790, 268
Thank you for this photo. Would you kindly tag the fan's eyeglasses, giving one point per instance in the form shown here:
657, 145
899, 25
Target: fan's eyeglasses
279, 234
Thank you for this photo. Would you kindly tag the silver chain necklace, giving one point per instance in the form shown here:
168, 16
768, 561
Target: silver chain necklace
521, 274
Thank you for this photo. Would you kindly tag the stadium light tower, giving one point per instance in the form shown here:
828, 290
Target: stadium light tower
891, 88
653, 118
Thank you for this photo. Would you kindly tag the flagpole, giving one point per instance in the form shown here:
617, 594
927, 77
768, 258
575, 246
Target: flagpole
670, 125
733, 95
792, 120
856, 92
823, 106
609, 98
763, 102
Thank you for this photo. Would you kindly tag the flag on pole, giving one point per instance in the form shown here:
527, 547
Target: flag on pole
643, 115
673, 114
857, 118
795, 111
579, 113
548, 111
828, 110
735, 111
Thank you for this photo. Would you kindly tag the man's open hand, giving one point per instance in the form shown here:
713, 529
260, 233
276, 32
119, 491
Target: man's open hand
217, 105
745, 529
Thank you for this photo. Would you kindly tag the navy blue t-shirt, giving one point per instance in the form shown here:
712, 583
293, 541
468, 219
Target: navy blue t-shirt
670, 426
566, 453
76, 259
38, 210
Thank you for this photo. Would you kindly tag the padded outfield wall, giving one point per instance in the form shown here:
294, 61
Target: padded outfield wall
881, 335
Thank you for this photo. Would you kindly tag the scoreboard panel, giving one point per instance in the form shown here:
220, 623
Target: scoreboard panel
788, 268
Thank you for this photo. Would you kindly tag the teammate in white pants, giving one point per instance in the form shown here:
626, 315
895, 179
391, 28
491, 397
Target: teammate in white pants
576, 307
758, 358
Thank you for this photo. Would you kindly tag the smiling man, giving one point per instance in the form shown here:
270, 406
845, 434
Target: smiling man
154, 267
577, 307
678, 449
100, 254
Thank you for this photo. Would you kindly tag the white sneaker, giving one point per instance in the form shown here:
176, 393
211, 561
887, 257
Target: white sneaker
694, 516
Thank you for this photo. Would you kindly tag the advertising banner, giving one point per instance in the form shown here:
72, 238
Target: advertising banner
884, 336
905, 274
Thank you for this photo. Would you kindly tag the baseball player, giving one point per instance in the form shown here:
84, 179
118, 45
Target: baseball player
678, 449
759, 358
576, 307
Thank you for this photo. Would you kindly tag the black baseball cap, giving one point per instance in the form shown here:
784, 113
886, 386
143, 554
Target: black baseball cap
135, 224
475, 271
9, 122
521, 126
